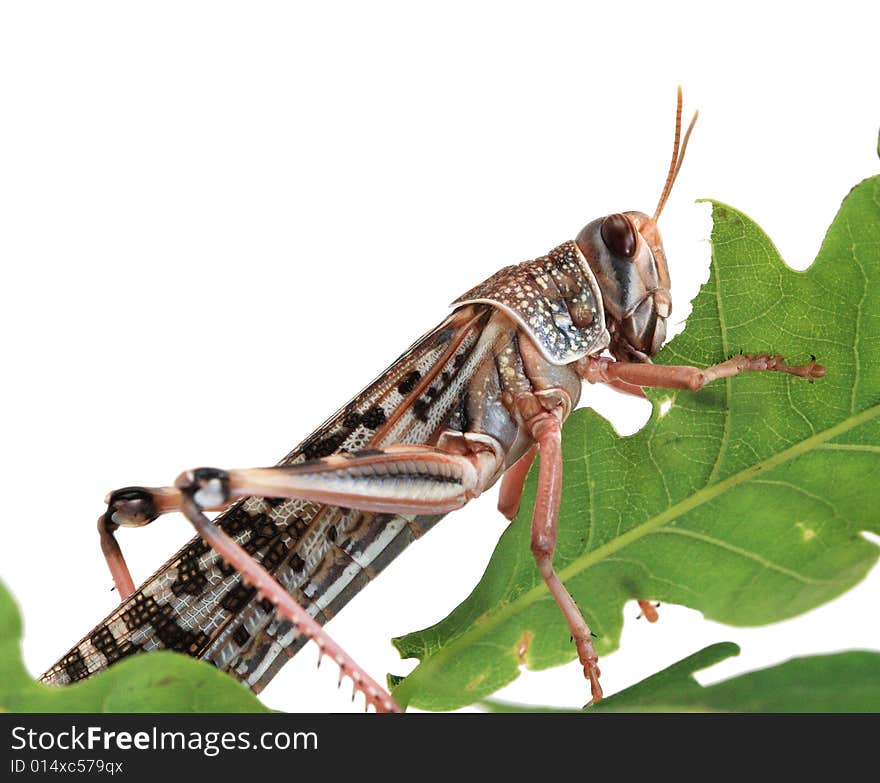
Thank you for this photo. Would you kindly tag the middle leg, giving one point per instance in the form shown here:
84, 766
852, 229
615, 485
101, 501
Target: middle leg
546, 428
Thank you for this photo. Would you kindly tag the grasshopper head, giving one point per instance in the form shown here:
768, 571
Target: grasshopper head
626, 255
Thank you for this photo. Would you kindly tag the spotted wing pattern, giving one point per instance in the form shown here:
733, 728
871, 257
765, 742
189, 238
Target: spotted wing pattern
323, 555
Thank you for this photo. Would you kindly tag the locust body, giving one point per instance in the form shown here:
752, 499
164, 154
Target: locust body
447, 388
471, 401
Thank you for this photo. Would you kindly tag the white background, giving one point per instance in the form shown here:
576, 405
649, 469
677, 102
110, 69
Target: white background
219, 221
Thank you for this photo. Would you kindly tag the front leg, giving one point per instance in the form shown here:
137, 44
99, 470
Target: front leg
693, 378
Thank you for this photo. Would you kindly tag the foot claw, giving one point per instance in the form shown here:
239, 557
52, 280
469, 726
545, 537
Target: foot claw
649, 611
815, 370
809, 371
591, 671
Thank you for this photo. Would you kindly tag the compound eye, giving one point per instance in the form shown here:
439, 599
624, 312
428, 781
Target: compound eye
619, 235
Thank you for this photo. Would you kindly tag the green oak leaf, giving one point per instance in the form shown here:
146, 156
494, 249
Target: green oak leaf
744, 501
841, 682
155, 682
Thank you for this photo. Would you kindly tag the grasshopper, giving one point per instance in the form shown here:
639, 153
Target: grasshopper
471, 402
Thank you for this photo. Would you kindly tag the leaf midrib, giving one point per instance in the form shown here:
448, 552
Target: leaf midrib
588, 559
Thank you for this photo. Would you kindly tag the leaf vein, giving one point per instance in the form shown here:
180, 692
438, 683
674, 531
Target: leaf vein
749, 555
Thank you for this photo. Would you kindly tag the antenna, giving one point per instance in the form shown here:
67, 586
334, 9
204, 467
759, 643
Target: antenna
677, 157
